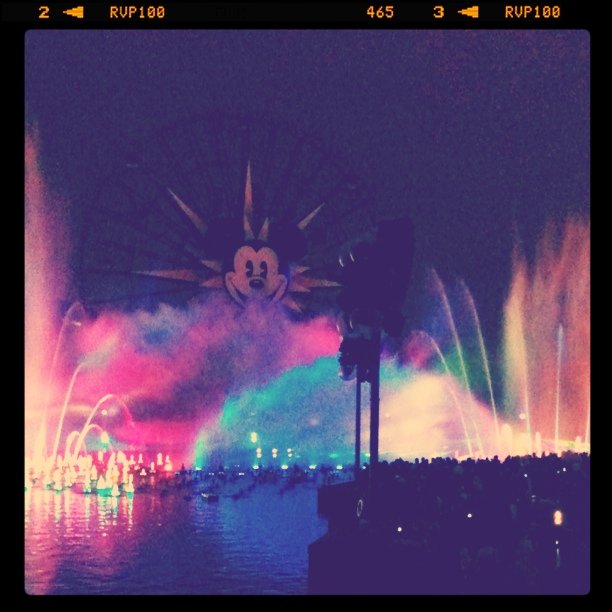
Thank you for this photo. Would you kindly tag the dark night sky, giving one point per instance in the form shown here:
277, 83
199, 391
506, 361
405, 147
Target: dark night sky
479, 136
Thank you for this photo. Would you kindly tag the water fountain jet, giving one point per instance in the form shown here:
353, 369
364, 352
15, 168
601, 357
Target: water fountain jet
436, 347
453, 327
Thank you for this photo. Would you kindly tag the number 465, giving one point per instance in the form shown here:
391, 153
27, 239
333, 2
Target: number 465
381, 12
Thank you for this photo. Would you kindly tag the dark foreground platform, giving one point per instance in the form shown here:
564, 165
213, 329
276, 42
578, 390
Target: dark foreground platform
368, 562
391, 552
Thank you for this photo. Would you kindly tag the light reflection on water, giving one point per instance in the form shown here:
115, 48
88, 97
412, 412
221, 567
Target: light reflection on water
86, 544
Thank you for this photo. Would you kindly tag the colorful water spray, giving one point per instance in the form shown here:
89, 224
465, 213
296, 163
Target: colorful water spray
64, 408
547, 338
240, 352
456, 401
72, 317
453, 327
558, 393
92, 414
485, 359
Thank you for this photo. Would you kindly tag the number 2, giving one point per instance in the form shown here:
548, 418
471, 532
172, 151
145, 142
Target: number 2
438, 12
44, 12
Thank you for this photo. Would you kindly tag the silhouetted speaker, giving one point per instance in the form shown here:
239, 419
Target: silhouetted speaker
355, 352
395, 242
375, 277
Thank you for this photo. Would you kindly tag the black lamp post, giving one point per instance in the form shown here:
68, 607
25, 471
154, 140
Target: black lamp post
357, 425
375, 280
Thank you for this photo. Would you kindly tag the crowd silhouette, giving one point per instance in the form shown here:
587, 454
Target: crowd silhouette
517, 526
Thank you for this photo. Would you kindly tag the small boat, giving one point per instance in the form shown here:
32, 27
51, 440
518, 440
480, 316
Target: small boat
210, 497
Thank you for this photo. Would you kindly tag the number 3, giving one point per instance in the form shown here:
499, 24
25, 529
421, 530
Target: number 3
438, 12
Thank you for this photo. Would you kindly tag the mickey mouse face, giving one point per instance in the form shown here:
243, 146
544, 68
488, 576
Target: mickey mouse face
255, 275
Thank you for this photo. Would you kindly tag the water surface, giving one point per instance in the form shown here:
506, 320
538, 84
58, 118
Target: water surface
147, 544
